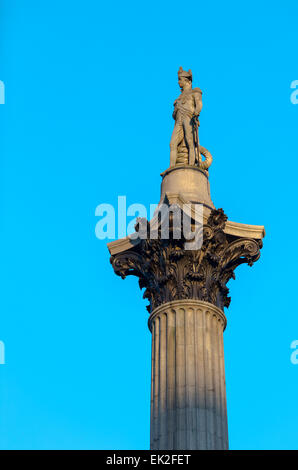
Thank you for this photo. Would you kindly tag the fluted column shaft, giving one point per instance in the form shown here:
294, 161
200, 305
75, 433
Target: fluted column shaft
188, 393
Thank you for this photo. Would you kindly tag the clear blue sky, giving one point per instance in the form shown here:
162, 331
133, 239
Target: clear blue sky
89, 94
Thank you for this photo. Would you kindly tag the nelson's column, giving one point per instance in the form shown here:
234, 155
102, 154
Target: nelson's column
185, 278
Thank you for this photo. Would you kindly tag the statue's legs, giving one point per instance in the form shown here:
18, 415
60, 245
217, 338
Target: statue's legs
189, 140
176, 138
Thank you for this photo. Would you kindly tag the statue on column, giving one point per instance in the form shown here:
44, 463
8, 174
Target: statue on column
184, 146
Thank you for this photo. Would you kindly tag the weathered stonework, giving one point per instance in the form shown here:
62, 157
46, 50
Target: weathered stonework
187, 289
168, 272
188, 390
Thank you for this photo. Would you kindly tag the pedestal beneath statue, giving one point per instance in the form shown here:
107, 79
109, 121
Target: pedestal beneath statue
190, 183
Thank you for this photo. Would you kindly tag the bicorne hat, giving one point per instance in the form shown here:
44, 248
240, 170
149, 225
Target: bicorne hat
184, 73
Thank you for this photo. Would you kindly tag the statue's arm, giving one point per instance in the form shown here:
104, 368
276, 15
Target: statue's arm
175, 110
198, 102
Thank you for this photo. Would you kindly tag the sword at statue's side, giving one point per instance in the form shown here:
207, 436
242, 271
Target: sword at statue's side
195, 125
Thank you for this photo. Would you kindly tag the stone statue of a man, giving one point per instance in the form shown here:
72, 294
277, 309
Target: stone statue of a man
184, 143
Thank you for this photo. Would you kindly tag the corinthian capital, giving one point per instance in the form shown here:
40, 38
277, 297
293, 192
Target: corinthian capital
168, 272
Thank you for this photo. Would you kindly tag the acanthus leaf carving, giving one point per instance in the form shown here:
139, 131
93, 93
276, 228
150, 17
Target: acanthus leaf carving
169, 272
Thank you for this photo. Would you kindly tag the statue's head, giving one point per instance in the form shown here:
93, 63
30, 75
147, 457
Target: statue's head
184, 78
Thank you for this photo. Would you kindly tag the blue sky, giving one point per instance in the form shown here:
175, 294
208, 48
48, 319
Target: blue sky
87, 117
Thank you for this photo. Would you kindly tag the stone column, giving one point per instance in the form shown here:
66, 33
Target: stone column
188, 393
187, 293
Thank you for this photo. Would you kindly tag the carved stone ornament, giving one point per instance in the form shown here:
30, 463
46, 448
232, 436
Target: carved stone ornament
168, 272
